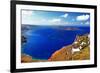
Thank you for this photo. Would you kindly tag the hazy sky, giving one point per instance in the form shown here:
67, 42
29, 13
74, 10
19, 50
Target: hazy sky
36, 17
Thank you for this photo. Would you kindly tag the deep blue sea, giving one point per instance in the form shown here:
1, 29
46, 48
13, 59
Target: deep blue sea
42, 41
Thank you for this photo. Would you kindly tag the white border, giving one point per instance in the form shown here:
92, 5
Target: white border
20, 65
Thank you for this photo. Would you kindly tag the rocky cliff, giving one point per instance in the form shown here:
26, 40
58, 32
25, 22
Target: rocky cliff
28, 59
78, 50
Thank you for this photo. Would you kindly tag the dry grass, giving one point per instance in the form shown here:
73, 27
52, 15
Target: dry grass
84, 54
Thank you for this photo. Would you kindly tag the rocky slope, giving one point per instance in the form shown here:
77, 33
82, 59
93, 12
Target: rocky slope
78, 50
28, 59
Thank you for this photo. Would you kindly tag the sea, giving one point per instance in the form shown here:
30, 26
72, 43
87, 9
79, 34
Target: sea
43, 41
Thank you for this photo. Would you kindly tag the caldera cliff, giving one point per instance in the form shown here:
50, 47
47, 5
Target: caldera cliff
78, 50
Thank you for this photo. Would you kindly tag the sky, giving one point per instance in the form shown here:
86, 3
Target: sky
37, 17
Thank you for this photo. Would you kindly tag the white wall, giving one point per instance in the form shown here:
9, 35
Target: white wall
5, 35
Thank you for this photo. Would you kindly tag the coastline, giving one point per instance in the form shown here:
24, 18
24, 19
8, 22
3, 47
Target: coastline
66, 52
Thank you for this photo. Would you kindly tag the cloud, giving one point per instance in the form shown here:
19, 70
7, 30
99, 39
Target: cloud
27, 16
73, 19
27, 13
87, 22
82, 23
55, 20
65, 15
82, 17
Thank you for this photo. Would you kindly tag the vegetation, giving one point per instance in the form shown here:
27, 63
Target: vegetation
84, 54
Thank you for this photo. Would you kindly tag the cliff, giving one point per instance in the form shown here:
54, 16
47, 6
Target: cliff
78, 50
28, 59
